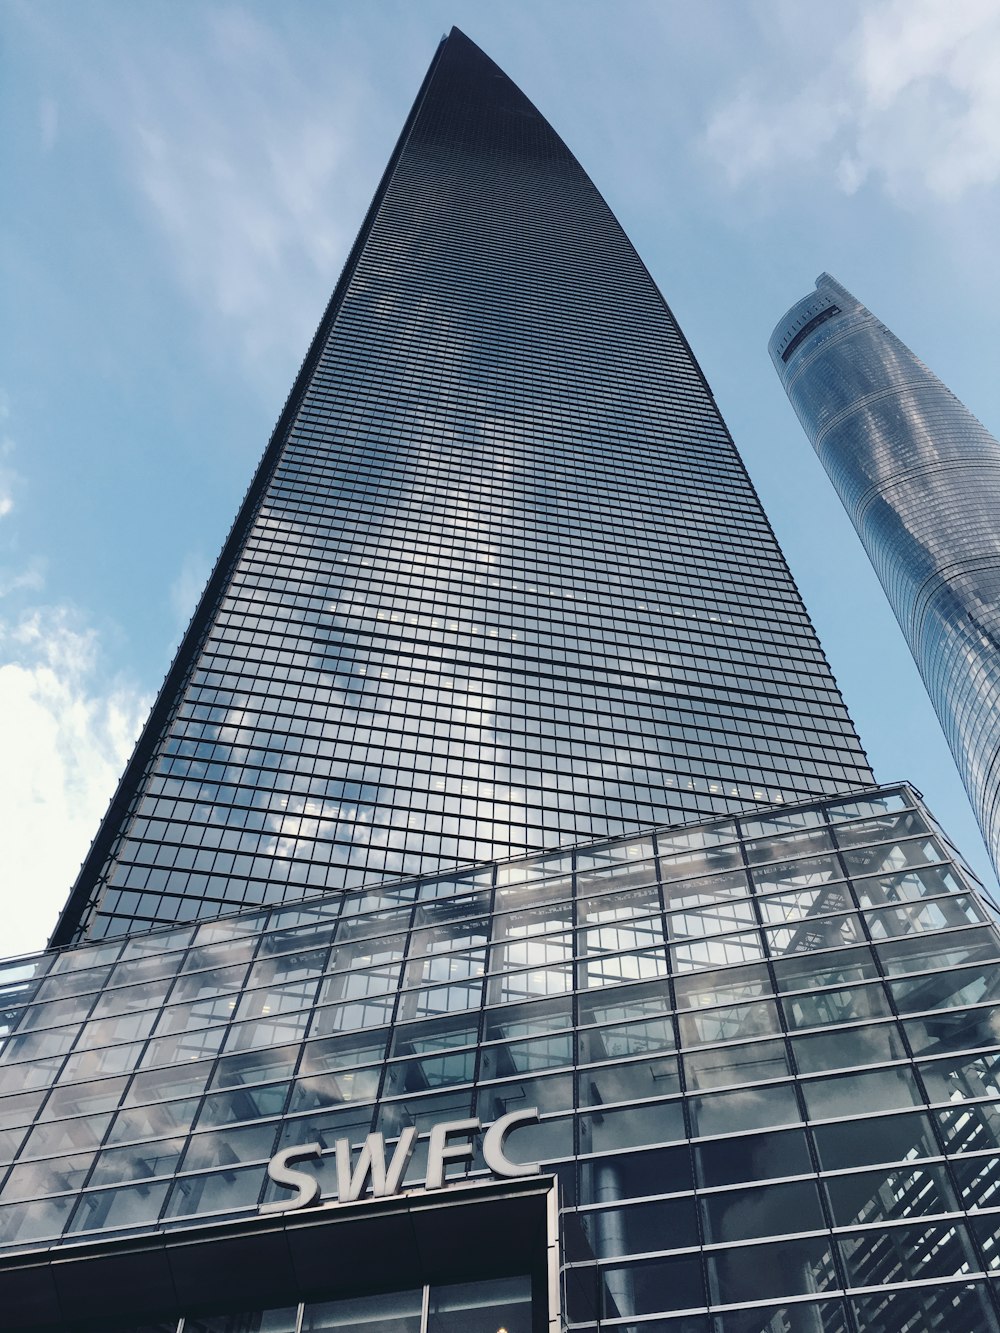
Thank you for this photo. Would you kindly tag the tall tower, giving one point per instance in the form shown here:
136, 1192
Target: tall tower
920, 478
501, 582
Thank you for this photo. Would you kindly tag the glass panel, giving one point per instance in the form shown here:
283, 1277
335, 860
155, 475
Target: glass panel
848, 1094
80, 1135
752, 1157
158, 1084
946, 1307
395, 1312
633, 1175
783, 908
660, 1122
953, 949
352, 1085
623, 1039
339, 1053
939, 914
35, 1180
719, 951
736, 1064
153, 1122
216, 1192
955, 1030
771, 1210
629, 1082
138, 1162
650, 1286
910, 885
224, 1108
20, 1109
802, 1317
525, 1057
750, 1108
25, 1222
945, 988
716, 919
438, 1035
807, 873
812, 934
84, 1099
667, 1224
889, 1196
892, 1138
901, 824
253, 1321
735, 1023
236, 1071
481, 1307
826, 969
836, 1006
737, 985
951, 1079
759, 1272
798, 842
841, 1048
137, 1205
423, 1112
552, 1093
252, 1143
906, 1254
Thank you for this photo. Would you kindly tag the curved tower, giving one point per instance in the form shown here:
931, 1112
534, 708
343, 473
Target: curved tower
920, 478
501, 582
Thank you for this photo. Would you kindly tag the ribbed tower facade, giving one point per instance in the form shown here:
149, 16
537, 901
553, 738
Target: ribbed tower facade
920, 478
501, 582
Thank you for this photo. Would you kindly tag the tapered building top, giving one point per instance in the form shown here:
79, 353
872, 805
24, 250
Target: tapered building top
920, 478
500, 583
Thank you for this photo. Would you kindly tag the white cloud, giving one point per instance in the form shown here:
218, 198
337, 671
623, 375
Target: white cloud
909, 99
67, 732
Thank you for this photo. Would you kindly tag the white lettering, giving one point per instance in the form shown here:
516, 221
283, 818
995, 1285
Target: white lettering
493, 1142
439, 1150
372, 1163
371, 1166
306, 1187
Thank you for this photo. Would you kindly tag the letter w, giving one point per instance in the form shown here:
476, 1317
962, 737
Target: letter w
372, 1163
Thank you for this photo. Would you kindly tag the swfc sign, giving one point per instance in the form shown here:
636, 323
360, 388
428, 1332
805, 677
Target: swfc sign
450, 1141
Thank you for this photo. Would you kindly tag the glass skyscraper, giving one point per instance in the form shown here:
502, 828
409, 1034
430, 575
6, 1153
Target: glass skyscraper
381, 1005
920, 478
501, 582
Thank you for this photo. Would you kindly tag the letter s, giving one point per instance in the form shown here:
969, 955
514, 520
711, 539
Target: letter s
493, 1153
306, 1187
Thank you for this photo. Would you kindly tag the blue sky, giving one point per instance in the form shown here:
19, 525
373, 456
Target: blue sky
183, 181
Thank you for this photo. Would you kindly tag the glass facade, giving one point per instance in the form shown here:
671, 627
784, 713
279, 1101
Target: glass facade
920, 478
501, 583
765, 1054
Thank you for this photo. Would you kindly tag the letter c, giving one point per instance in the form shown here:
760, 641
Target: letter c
493, 1140
306, 1187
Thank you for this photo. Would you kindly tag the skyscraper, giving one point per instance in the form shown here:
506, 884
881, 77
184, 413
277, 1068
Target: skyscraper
732, 1075
920, 478
501, 581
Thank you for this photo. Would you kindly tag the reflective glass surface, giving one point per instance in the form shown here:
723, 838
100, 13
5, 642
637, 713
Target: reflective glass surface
920, 478
503, 583
745, 1141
